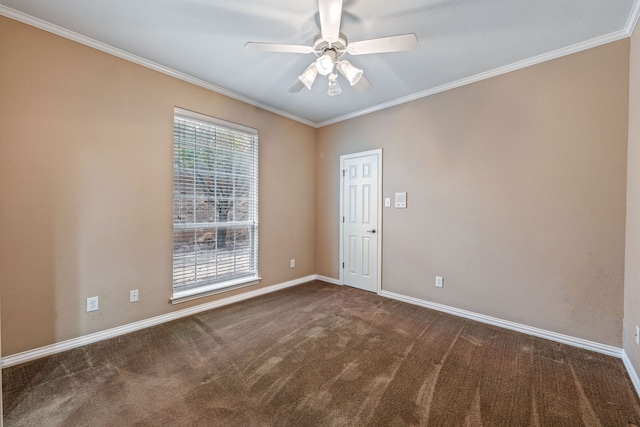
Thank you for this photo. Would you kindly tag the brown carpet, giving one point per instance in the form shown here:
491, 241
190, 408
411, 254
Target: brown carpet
321, 355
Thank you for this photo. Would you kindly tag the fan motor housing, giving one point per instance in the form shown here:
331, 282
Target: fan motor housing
321, 46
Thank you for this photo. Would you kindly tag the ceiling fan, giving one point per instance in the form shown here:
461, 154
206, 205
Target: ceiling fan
330, 45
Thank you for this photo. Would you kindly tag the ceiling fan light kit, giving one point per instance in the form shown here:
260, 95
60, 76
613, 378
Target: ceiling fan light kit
325, 63
330, 45
351, 73
334, 87
309, 76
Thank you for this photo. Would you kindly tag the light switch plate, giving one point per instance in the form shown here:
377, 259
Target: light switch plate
387, 202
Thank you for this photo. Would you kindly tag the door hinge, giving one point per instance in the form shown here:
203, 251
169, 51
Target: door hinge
342, 219
344, 172
343, 265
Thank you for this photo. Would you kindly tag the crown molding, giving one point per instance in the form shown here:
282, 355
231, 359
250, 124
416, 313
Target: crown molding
633, 18
578, 47
87, 41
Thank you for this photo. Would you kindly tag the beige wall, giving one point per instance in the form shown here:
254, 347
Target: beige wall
516, 191
516, 194
86, 173
632, 263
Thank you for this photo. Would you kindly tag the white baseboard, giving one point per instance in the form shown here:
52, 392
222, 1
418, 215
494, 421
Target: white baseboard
529, 330
632, 372
328, 279
26, 356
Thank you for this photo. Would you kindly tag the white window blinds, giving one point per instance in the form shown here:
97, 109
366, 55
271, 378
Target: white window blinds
215, 204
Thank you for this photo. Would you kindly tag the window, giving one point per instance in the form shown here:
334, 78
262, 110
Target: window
215, 205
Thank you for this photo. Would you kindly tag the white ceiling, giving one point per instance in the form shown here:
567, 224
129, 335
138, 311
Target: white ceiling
459, 41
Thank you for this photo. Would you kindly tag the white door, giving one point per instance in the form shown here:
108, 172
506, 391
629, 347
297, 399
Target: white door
360, 214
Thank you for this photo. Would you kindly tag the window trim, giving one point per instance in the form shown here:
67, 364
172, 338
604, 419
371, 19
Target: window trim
217, 287
177, 111
212, 289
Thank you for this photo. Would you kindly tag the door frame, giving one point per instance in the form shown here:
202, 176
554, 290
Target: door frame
344, 157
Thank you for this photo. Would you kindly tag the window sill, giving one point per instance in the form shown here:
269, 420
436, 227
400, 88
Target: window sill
208, 290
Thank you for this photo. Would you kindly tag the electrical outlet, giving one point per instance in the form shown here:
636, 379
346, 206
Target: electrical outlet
133, 295
293, 263
439, 281
92, 304
637, 335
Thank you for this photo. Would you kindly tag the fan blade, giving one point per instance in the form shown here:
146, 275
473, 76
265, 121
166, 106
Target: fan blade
330, 15
274, 47
296, 87
363, 85
384, 44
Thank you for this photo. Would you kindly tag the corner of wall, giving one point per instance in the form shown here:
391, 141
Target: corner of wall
633, 375
632, 234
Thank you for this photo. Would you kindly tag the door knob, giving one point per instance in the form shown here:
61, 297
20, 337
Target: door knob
373, 230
